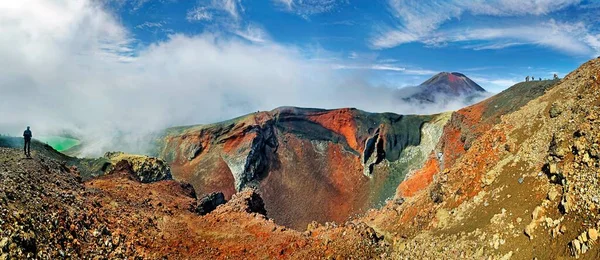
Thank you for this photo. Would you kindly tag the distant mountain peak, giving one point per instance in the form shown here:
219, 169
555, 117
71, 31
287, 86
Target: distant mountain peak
447, 84
452, 83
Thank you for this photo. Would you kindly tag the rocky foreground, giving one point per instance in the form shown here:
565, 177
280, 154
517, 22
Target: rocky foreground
47, 212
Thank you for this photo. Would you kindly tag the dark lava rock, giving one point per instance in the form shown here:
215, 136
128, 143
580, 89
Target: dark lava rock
209, 203
255, 204
193, 151
248, 200
188, 189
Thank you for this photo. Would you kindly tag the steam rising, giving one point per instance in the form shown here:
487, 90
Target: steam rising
71, 67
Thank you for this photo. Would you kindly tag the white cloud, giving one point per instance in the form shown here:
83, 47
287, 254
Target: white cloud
493, 46
422, 17
421, 21
560, 36
198, 14
307, 8
233, 7
594, 42
137, 4
253, 33
420, 72
76, 68
515, 7
148, 25
286, 3
393, 38
207, 10
385, 67
369, 67
226, 15
495, 85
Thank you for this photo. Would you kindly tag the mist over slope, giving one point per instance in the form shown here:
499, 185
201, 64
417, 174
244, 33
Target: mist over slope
78, 70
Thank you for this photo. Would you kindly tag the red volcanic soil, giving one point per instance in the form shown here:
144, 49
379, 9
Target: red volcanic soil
336, 179
292, 154
464, 126
420, 179
50, 214
341, 121
235, 141
159, 224
471, 147
452, 78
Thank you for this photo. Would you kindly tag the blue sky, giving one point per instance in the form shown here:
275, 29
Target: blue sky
393, 43
99, 67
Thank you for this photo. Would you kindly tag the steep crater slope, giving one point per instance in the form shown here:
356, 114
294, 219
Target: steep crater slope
47, 212
308, 164
517, 178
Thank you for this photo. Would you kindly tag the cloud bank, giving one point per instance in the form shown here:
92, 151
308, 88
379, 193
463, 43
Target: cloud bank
70, 66
524, 22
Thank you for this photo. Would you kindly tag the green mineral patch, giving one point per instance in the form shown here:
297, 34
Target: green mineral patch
59, 143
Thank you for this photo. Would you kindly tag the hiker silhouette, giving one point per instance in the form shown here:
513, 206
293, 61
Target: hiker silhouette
27, 146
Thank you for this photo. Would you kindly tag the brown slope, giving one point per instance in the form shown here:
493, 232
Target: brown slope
501, 192
47, 213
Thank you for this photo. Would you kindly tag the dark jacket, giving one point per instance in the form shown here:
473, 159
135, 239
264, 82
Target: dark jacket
27, 134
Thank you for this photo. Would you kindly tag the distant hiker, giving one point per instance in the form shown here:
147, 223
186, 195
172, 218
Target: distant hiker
27, 146
555, 76
540, 79
527, 79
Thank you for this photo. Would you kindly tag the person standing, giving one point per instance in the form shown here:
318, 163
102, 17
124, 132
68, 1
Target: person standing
27, 146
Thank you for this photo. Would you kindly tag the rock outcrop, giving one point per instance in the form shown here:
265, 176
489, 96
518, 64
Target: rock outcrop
351, 160
519, 178
145, 169
248, 200
46, 212
208, 203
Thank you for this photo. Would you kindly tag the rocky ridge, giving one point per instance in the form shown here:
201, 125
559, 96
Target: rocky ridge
353, 159
526, 186
47, 212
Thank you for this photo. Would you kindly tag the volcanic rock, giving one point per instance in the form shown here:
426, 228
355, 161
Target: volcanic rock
555, 110
145, 169
209, 203
247, 200
593, 234
353, 160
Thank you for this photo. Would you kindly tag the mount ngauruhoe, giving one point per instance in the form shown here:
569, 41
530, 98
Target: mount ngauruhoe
447, 87
514, 176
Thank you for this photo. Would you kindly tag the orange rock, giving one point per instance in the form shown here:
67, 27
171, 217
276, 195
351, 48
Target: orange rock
420, 180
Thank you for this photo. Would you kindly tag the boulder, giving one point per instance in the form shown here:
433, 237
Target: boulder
248, 200
555, 110
145, 169
193, 151
593, 234
209, 202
